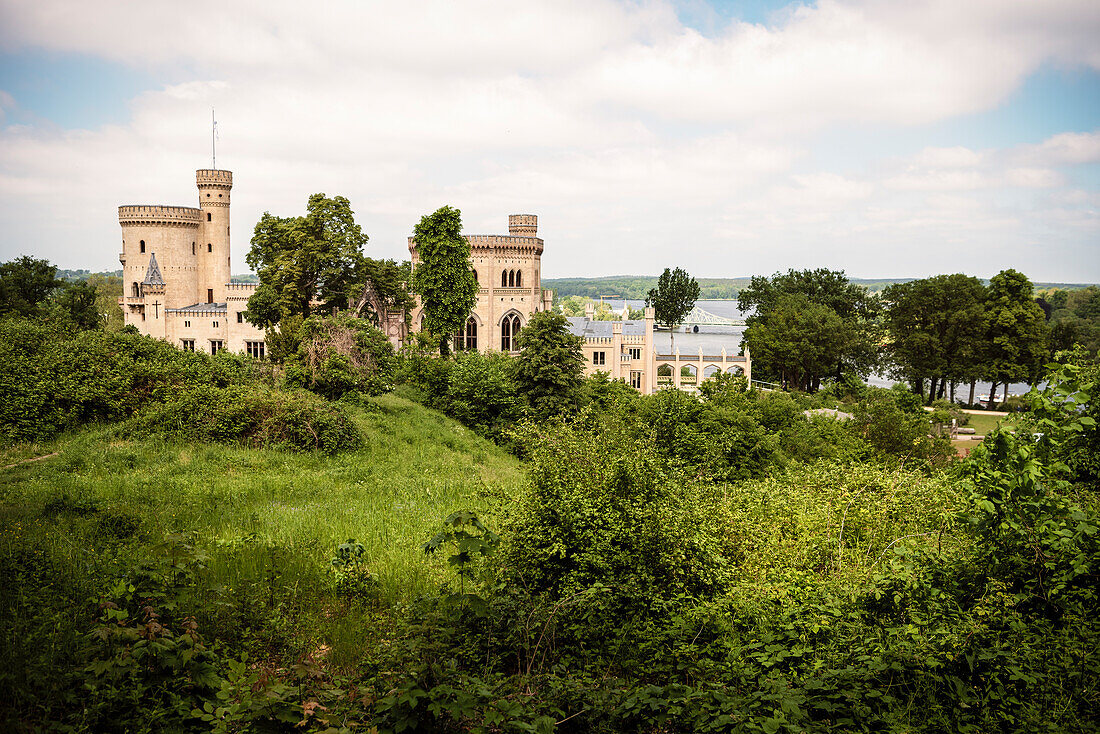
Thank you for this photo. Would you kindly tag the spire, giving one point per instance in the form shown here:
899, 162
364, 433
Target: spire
152, 274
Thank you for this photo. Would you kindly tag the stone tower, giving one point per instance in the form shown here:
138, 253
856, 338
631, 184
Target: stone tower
212, 258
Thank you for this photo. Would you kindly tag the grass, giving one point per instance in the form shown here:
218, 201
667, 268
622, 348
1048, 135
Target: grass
266, 521
984, 424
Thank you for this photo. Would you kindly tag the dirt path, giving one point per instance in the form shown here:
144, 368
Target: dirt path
33, 458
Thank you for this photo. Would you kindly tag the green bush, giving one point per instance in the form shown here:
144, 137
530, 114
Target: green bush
341, 354
252, 416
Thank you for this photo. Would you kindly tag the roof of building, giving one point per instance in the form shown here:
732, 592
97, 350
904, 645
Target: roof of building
201, 308
585, 327
152, 273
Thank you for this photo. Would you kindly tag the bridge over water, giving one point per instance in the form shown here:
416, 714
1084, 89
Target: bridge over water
699, 317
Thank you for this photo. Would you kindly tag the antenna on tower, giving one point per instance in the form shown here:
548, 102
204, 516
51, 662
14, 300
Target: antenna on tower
213, 139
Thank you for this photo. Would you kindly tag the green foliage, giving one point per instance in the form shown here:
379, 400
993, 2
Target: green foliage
1014, 330
54, 379
25, 284
443, 277
549, 368
252, 416
808, 325
349, 567
472, 541
308, 264
673, 298
340, 354
936, 328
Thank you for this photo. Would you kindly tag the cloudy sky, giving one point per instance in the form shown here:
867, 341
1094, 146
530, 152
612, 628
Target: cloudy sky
887, 139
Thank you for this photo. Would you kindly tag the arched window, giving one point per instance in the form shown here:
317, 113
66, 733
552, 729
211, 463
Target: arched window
192, 248
519, 279
511, 278
475, 276
135, 291
142, 245
503, 277
466, 340
509, 330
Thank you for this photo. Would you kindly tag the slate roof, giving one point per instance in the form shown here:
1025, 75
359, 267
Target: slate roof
152, 273
201, 308
586, 328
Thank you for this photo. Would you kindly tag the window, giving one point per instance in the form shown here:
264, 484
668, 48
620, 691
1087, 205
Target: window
135, 290
503, 277
142, 244
209, 295
466, 340
216, 345
188, 345
509, 330
254, 349
635, 352
187, 325
599, 357
636, 380
511, 278
240, 317
192, 248
209, 247
215, 324
475, 276
519, 279
208, 216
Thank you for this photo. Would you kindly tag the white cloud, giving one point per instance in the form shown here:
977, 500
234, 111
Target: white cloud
639, 141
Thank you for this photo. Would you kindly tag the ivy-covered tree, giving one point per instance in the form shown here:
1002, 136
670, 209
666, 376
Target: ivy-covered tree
550, 364
306, 264
444, 277
673, 298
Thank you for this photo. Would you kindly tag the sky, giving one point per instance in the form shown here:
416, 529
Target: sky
731, 138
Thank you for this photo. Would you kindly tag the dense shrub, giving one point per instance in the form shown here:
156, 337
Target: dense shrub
54, 379
341, 354
250, 415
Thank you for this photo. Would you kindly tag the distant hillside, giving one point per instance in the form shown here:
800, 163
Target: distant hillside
637, 286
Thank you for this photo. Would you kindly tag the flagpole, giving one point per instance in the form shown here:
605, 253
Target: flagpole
213, 145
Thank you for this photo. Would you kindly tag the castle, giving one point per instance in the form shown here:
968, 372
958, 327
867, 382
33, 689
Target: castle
175, 273
177, 287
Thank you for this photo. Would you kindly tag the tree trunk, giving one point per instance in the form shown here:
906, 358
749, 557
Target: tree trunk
973, 385
931, 390
943, 387
992, 396
953, 385
918, 387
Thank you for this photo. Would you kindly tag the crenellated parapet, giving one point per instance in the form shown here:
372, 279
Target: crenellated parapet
158, 215
523, 225
205, 177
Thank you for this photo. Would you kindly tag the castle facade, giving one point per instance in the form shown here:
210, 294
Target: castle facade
176, 272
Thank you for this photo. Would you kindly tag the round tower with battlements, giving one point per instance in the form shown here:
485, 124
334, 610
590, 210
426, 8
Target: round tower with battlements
213, 251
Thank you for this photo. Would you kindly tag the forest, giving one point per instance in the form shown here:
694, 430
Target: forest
362, 539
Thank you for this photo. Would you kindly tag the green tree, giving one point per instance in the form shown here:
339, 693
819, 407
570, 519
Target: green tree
673, 298
78, 300
550, 364
25, 284
306, 264
935, 330
804, 354
1015, 331
444, 277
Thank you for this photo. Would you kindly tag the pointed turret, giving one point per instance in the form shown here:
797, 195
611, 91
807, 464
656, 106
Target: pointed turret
152, 273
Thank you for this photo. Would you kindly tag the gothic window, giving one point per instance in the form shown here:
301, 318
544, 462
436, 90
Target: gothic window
466, 339
509, 330
519, 279
503, 277
135, 290
511, 278
240, 317
142, 245
475, 276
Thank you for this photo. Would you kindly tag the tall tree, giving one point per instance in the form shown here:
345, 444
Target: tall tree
1015, 331
444, 277
935, 330
306, 264
550, 364
673, 298
847, 344
25, 284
